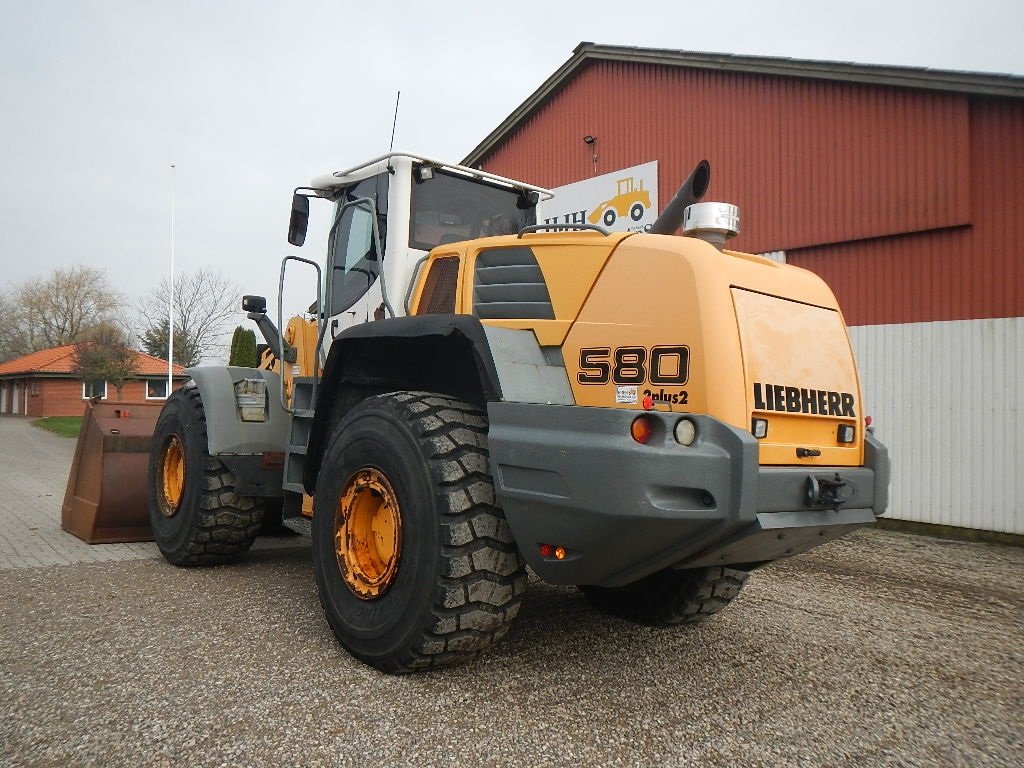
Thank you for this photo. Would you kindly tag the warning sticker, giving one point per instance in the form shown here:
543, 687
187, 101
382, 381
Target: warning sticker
625, 395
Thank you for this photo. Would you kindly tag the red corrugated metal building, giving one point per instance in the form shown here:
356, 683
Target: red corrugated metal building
901, 187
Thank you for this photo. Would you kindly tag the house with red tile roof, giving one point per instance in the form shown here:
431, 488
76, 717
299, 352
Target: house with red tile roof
45, 383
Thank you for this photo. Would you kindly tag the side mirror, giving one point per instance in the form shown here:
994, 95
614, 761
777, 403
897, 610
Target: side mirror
299, 221
255, 304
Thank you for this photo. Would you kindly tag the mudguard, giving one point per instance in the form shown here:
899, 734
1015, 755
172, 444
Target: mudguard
226, 432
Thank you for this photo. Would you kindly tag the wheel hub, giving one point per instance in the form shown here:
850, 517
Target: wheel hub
368, 534
172, 475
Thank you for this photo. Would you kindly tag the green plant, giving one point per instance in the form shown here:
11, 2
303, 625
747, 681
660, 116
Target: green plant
243, 348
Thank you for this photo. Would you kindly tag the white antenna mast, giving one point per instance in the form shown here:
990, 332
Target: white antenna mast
170, 299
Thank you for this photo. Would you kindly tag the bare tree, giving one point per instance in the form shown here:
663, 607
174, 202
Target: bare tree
103, 354
14, 341
55, 310
205, 303
67, 303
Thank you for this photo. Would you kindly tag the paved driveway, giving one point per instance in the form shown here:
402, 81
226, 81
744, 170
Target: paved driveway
34, 466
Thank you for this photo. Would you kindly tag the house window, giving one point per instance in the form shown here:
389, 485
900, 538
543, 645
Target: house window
34, 389
92, 389
156, 389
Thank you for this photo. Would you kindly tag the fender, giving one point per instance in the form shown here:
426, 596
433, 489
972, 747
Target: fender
241, 444
435, 353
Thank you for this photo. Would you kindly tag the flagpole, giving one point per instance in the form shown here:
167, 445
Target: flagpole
170, 299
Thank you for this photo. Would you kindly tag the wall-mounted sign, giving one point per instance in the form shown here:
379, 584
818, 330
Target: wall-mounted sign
623, 201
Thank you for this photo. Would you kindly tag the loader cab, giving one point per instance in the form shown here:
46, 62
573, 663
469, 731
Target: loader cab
388, 214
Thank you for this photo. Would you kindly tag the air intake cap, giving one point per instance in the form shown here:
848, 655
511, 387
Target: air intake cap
712, 222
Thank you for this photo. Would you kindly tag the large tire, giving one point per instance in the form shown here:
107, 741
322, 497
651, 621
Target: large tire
196, 516
443, 579
671, 597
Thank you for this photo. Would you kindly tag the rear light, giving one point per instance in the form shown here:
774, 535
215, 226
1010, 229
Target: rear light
550, 550
846, 433
641, 429
759, 428
685, 432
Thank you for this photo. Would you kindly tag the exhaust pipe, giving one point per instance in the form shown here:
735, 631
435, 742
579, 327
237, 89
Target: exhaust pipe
693, 189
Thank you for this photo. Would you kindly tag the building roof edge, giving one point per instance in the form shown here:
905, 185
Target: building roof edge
972, 83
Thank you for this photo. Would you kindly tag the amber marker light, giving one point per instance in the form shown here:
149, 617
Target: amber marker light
641, 429
559, 553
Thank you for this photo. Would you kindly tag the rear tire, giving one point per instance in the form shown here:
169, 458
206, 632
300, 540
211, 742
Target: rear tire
435, 576
671, 597
196, 516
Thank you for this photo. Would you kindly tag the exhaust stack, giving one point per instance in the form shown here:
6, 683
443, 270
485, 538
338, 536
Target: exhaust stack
690, 192
712, 222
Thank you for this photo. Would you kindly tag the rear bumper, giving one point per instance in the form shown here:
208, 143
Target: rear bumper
572, 477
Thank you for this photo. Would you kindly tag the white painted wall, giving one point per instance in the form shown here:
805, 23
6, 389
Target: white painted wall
946, 398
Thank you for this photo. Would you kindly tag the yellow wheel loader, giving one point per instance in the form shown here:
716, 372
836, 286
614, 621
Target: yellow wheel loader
647, 416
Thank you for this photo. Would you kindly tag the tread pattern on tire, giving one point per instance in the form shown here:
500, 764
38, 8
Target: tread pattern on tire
671, 597
483, 575
227, 524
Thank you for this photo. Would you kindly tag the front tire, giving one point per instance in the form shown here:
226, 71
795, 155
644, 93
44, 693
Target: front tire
415, 564
671, 597
196, 516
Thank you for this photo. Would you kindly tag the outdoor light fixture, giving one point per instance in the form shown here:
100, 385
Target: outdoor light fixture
591, 141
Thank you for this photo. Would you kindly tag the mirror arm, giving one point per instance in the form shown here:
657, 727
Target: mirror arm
280, 348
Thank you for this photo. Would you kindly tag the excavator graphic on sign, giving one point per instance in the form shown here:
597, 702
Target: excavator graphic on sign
631, 198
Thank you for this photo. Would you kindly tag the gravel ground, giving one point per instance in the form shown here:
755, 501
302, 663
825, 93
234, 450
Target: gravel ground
881, 649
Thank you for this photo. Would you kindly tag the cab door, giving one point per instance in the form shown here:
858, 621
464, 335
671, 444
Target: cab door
353, 291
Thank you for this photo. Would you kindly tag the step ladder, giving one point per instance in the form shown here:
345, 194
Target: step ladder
298, 436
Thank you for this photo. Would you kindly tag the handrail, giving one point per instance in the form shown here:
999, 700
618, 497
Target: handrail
412, 282
546, 194
321, 327
541, 227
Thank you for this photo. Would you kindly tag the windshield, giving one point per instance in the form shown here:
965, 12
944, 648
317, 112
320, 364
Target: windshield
448, 208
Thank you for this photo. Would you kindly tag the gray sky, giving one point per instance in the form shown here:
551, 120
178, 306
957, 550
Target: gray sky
250, 99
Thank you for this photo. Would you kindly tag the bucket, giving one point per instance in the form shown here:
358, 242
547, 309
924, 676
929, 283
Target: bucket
106, 500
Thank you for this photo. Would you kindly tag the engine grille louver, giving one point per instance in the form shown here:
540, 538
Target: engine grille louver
508, 284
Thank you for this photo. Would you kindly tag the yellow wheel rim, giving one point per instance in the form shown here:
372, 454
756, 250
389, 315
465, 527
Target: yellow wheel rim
172, 475
368, 534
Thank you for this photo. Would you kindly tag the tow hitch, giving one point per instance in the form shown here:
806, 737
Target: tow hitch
825, 491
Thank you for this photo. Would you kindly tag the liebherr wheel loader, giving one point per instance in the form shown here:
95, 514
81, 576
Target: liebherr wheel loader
647, 416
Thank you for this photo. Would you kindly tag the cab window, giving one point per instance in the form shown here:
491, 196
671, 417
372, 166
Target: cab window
352, 249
